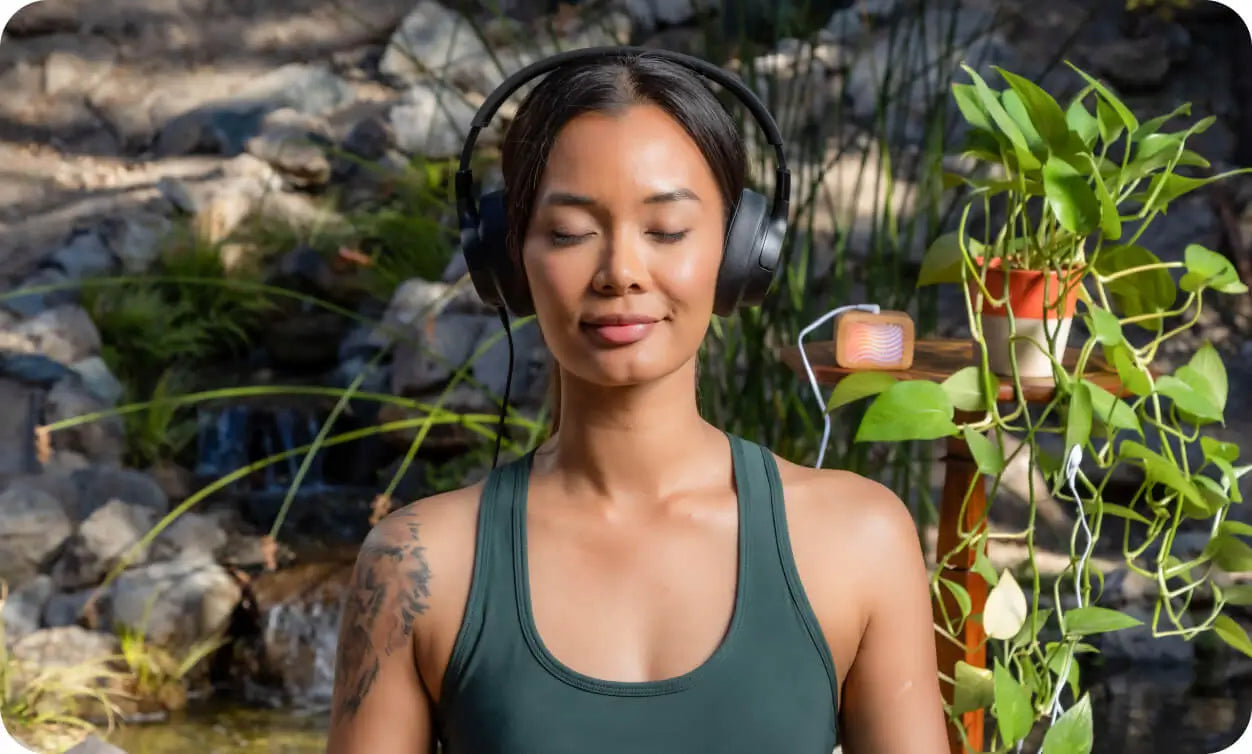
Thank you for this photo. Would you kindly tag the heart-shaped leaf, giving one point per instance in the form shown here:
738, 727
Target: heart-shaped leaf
859, 385
908, 410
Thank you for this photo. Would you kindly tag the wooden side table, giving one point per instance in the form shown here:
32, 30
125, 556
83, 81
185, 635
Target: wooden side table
937, 360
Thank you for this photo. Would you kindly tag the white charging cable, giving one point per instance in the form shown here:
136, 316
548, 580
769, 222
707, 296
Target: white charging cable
808, 369
1072, 463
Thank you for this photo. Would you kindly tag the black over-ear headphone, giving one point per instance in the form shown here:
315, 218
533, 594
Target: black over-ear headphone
754, 237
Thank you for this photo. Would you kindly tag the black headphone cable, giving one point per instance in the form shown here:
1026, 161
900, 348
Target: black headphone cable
508, 384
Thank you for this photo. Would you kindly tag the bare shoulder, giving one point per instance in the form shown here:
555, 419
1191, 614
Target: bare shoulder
413, 574
853, 541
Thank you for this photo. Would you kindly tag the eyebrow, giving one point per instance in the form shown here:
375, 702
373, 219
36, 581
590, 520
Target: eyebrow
566, 199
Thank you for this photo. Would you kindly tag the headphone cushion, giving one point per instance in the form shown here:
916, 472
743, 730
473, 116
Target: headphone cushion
741, 257
504, 281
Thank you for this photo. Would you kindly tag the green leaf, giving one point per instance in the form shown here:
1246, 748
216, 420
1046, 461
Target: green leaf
1208, 269
964, 390
1230, 553
1031, 627
1110, 218
1187, 390
908, 410
1121, 511
1013, 711
1166, 187
1214, 448
1073, 732
1085, 621
942, 261
859, 385
961, 595
1206, 366
974, 688
1045, 114
984, 568
1161, 471
1107, 98
1025, 158
1150, 127
1211, 490
1016, 109
1006, 609
1082, 122
1239, 594
1145, 291
971, 108
1233, 634
1078, 419
987, 454
1073, 203
1112, 411
1133, 379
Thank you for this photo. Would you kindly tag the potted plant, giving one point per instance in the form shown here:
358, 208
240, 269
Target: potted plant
1066, 192
1078, 188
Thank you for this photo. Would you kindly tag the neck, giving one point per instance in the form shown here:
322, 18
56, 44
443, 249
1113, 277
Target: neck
634, 442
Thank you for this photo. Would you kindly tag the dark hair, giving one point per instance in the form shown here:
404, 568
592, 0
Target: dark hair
611, 85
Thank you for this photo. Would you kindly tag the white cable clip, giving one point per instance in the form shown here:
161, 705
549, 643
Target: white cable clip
808, 369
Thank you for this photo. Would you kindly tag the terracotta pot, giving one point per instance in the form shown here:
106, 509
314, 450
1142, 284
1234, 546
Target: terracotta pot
1043, 308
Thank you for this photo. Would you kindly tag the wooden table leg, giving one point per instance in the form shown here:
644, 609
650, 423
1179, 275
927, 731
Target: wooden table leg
960, 472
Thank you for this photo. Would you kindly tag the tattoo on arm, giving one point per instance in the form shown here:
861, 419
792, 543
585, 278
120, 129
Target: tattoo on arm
391, 583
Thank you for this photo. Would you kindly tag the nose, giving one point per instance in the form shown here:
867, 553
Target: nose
623, 268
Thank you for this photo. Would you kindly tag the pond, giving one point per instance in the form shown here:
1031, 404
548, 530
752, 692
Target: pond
1144, 710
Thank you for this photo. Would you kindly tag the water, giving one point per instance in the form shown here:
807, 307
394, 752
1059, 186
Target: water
232, 437
1137, 711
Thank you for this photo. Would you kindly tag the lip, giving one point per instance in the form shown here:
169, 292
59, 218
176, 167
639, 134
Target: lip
616, 330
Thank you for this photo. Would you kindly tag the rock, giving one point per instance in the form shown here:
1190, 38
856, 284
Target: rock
101, 542
94, 745
175, 604
431, 119
65, 334
65, 609
102, 440
225, 127
33, 369
41, 18
431, 39
174, 480
65, 647
369, 139
17, 427
435, 352
23, 609
77, 70
647, 15
136, 239
531, 359
47, 287
1139, 646
98, 380
84, 254
33, 527
292, 142
191, 538
309, 340
98, 485
219, 203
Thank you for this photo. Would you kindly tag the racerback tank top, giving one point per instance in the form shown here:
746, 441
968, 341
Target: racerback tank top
769, 688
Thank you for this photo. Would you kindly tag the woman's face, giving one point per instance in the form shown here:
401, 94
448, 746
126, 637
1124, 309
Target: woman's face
624, 245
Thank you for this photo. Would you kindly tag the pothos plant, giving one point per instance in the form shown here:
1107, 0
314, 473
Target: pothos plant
1075, 189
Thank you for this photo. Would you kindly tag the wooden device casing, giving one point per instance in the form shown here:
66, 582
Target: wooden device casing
882, 341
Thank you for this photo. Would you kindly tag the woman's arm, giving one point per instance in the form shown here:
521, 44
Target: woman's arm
379, 704
892, 703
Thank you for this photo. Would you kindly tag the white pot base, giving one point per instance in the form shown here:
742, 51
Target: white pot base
1029, 344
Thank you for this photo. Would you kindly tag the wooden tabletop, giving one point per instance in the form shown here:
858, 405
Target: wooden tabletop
937, 360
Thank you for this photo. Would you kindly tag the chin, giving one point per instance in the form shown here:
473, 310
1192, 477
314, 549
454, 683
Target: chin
625, 367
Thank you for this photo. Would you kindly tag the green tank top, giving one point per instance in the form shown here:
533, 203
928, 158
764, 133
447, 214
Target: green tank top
770, 686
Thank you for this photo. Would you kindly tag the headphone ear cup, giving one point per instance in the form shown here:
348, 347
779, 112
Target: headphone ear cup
742, 280
478, 245
508, 280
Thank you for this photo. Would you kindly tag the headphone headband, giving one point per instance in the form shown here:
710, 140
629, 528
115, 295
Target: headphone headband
782, 180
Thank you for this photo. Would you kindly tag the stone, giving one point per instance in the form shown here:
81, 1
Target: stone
192, 537
66, 608
84, 254
65, 647
136, 239
1134, 64
33, 369
369, 139
33, 527
47, 287
77, 70
17, 427
101, 542
97, 485
65, 333
174, 603
429, 358
1139, 646
431, 119
432, 38
22, 613
99, 380
292, 143
530, 362
646, 15
102, 440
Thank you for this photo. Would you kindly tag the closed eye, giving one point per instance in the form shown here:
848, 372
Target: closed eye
567, 239
669, 237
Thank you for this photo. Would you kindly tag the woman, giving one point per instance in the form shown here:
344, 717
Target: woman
643, 582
